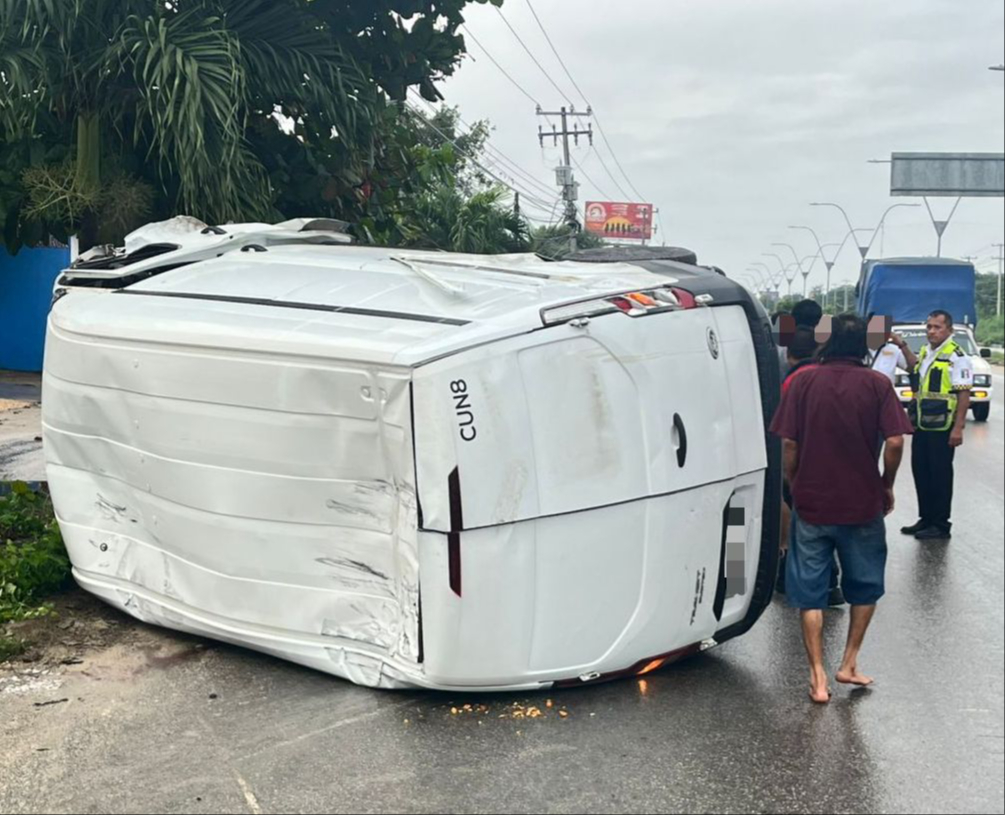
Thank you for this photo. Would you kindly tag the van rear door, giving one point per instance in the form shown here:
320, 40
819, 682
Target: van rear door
580, 479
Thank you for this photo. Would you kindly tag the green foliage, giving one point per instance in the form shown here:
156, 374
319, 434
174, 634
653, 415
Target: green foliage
447, 219
987, 296
554, 242
184, 101
400, 43
33, 560
991, 330
11, 647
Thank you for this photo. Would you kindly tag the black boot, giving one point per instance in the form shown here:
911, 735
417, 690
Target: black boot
913, 529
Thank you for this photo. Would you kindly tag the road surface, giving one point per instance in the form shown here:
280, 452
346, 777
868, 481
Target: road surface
165, 723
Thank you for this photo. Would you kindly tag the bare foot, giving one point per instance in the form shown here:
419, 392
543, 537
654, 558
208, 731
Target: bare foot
851, 676
820, 692
821, 695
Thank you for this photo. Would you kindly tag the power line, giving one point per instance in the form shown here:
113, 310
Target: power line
501, 155
555, 52
529, 96
532, 195
612, 176
543, 205
614, 155
579, 90
586, 175
535, 59
504, 72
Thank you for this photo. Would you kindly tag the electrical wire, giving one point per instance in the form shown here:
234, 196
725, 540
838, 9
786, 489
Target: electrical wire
535, 59
531, 196
579, 90
586, 175
527, 177
502, 70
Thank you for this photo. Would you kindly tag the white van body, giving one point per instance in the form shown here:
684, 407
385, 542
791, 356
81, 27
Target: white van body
390, 466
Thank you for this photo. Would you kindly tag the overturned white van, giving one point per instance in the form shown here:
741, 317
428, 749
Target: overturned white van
415, 469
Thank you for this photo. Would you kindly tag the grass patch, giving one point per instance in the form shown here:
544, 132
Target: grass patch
11, 647
33, 560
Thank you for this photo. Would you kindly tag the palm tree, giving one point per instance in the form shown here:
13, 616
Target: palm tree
480, 223
553, 242
182, 83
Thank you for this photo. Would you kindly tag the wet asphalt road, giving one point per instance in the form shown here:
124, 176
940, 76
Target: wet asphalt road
729, 731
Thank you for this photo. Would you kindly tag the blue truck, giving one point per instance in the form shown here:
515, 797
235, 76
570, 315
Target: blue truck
908, 290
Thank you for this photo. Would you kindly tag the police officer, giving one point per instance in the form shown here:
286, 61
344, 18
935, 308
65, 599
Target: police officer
945, 375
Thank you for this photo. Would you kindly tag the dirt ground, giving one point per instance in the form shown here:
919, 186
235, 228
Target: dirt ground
21, 456
81, 628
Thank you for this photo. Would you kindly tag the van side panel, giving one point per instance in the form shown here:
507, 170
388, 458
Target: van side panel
267, 499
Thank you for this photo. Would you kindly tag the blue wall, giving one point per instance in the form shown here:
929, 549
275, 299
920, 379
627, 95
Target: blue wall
26, 281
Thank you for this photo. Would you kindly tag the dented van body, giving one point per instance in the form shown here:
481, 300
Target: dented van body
417, 469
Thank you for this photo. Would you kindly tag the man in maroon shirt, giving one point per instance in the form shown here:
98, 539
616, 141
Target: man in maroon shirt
833, 421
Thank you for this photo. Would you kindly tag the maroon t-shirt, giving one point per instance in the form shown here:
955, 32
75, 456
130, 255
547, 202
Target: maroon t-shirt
839, 414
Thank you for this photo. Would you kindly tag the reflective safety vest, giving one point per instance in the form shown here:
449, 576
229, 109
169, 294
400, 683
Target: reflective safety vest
935, 402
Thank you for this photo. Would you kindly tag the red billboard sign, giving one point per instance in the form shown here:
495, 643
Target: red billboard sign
616, 221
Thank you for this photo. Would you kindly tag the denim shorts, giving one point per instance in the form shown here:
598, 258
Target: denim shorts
808, 567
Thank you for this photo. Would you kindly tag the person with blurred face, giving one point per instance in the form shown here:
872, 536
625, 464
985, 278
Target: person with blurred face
835, 421
894, 353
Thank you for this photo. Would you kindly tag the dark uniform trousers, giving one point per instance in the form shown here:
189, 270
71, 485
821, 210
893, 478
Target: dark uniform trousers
932, 464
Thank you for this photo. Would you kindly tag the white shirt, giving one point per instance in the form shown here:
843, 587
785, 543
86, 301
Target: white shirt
888, 359
961, 368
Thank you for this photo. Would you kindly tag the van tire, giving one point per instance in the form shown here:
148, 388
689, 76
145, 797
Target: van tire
982, 411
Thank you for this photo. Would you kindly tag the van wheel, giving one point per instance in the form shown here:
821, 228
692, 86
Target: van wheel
981, 412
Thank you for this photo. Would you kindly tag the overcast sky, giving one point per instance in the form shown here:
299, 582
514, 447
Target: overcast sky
732, 115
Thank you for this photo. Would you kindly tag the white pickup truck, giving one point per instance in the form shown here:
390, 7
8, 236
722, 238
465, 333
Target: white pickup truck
983, 389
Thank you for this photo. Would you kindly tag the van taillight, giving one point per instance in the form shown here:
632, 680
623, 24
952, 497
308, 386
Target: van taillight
634, 304
685, 298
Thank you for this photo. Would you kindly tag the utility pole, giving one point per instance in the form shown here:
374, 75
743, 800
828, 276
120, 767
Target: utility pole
563, 174
1001, 271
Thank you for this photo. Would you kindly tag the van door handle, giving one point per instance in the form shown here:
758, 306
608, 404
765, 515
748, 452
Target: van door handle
680, 439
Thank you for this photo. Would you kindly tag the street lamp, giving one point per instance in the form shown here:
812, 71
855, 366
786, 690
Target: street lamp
882, 221
760, 276
804, 271
782, 269
772, 279
781, 263
996, 67
790, 279
864, 250
752, 283
828, 263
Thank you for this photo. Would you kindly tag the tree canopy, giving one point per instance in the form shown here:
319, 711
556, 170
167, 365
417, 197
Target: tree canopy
113, 112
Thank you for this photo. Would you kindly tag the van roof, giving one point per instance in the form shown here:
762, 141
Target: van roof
389, 306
